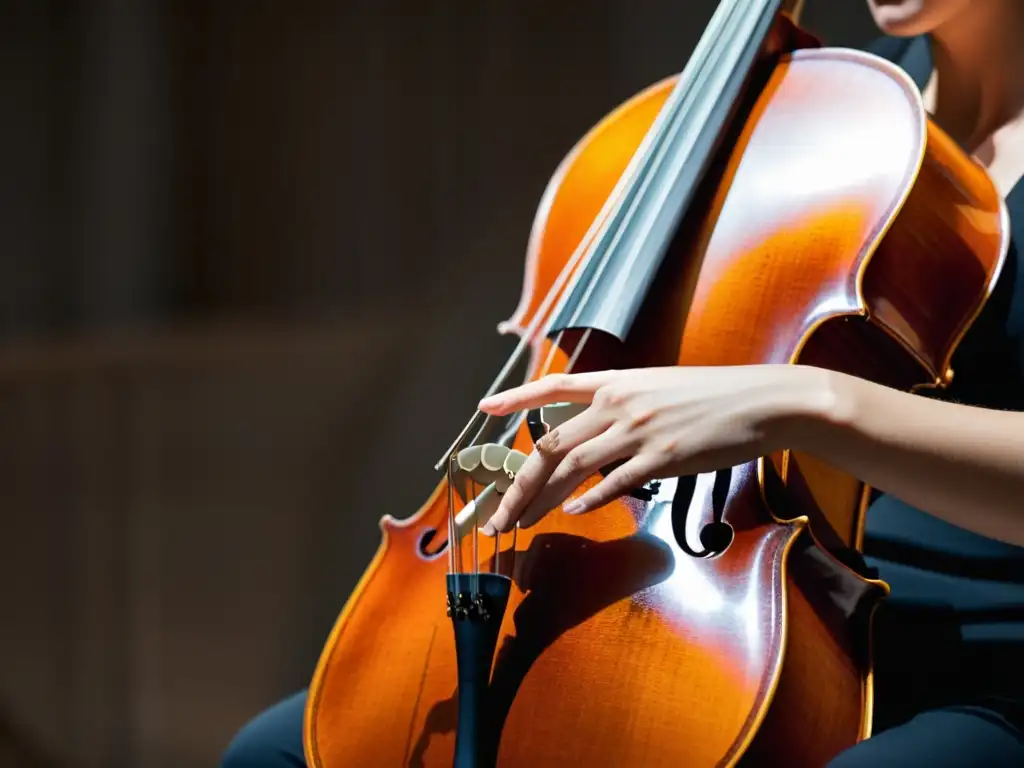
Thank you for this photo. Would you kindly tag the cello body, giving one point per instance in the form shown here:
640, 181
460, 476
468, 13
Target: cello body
837, 228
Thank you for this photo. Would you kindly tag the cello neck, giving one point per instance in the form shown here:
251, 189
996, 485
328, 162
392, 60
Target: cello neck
661, 182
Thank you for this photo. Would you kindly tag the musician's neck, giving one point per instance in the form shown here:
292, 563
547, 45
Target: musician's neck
978, 85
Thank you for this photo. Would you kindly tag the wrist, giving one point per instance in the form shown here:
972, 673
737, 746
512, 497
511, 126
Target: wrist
816, 403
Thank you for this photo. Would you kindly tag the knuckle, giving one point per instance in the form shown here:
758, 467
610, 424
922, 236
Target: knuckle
627, 478
575, 462
550, 442
669, 447
608, 397
641, 416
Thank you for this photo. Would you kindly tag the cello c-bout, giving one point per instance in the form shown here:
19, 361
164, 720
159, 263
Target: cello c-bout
832, 224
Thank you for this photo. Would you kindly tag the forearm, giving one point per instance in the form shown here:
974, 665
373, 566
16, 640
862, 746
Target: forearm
962, 464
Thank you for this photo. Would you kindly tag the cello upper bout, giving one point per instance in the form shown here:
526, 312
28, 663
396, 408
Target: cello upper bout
938, 264
585, 181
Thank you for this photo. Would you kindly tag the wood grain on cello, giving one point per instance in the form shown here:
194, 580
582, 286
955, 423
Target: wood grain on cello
778, 202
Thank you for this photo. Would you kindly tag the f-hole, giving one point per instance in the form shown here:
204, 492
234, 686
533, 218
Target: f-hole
716, 536
423, 545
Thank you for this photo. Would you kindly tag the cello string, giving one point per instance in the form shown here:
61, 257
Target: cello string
497, 554
578, 350
515, 540
451, 519
706, 67
526, 340
627, 184
476, 538
460, 560
703, 64
731, 26
725, 25
629, 191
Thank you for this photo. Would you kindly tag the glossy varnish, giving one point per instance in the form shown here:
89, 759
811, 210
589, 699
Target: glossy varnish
840, 229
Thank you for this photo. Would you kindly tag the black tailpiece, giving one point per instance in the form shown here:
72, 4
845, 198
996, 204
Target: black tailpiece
476, 604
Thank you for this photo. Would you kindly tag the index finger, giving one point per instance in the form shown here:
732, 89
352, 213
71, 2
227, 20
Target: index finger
553, 388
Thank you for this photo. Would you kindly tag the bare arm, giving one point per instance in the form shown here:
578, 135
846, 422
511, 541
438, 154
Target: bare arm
962, 464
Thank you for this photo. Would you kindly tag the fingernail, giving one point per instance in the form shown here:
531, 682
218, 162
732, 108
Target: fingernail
572, 506
488, 530
490, 402
527, 515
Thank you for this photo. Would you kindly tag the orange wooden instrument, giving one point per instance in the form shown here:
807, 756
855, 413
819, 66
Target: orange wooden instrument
777, 202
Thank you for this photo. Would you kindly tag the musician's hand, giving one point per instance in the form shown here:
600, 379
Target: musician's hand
665, 422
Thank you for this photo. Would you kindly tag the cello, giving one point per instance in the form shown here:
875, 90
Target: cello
777, 202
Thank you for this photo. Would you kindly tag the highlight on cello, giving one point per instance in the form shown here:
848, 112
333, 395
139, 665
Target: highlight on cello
747, 290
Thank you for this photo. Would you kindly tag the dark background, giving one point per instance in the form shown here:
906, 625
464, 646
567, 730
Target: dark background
252, 256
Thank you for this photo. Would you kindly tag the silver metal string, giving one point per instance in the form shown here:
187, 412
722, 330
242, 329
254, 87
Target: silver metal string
732, 18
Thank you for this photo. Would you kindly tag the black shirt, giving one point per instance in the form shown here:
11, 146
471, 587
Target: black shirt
973, 583
989, 366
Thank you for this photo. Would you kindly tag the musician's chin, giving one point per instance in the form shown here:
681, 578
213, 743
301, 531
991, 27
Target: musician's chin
908, 18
